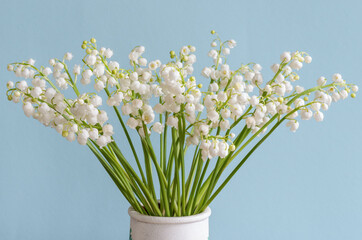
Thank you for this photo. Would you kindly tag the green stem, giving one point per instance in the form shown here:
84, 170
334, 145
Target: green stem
238, 167
140, 183
129, 140
192, 172
161, 176
115, 179
148, 167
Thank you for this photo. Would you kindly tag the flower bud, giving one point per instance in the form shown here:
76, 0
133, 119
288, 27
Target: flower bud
9, 84
232, 147
10, 67
296, 77
355, 88
68, 56
308, 59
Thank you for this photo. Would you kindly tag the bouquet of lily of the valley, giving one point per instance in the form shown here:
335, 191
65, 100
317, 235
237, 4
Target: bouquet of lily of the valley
168, 106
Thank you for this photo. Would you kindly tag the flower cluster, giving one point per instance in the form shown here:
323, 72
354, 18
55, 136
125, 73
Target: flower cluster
78, 118
204, 116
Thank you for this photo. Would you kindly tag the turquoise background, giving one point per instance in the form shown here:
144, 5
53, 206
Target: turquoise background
306, 185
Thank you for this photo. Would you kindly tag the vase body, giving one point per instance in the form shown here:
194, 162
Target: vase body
144, 227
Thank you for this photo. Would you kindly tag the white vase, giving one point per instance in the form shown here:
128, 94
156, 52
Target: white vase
144, 227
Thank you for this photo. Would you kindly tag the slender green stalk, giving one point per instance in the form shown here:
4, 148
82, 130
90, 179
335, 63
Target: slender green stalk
196, 182
128, 139
175, 189
116, 180
209, 188
145, 190
242, 135
202, 208
161, 176
199, 185
170, 161
148, 168
192, 171
146, 203
162, 159
182, 124
226, 161
165, 145
112, 160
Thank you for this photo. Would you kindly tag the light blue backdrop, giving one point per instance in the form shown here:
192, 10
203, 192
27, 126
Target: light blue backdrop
306, 185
